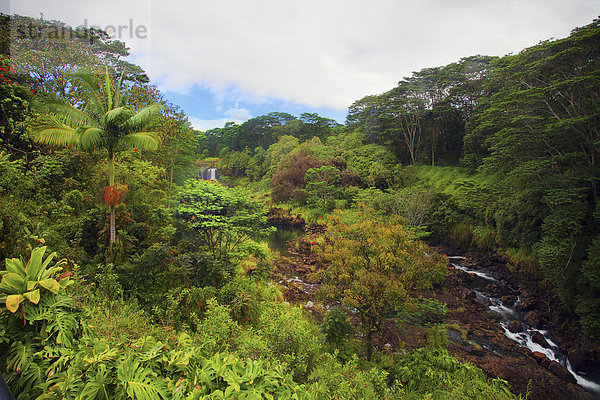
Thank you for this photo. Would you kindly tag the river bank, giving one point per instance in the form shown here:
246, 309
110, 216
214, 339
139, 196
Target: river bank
477, 332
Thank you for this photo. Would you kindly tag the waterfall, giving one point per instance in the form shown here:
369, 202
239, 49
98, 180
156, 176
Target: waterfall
209, 174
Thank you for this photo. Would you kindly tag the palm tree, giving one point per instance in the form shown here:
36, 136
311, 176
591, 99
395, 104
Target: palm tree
103, 122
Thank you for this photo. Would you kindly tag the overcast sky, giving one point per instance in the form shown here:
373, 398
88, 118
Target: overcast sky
230, 60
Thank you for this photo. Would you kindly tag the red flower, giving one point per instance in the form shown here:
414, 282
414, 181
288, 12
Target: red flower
319, 216
451, 268
314, 242
135, 149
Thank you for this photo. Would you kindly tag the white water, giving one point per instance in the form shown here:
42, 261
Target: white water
209, 174
525, 338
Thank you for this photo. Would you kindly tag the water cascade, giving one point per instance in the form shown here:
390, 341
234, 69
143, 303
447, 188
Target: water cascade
529, 336
209, 174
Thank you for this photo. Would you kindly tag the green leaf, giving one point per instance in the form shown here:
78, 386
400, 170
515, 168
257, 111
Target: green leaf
14, 281
50, 284
33, 296
13, 301
34, 264
15, 265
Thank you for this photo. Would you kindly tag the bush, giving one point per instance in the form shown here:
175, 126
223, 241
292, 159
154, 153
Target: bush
336, 327
435, 372
426, 312
291, 338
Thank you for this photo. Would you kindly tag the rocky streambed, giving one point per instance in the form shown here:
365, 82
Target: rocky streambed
515, 332
495, 322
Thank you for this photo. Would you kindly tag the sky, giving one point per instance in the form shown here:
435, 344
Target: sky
231, 60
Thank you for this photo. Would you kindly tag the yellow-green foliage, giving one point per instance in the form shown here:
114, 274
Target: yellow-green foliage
524, 263
370, 266
434, 372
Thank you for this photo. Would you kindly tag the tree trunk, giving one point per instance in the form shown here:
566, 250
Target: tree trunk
111, 181
112, 227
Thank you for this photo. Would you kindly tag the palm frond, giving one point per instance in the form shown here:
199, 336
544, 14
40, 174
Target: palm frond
57, 134
92, 82
142, 117
107, 88
70, 115
91, 138
142, 140
117, 97
115, 113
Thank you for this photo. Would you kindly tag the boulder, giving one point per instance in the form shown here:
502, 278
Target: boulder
526, 304
538, 338
545, 362
515, 326
561, 372
539, 357
507, 300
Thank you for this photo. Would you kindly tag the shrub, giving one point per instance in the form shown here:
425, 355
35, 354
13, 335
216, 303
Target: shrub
435, 372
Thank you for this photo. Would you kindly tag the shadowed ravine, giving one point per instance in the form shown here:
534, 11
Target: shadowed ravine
493, 322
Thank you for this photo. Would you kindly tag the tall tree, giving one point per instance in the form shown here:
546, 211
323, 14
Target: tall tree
102, 123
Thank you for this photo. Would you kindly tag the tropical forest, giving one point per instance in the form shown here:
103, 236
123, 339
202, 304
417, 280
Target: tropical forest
441, 243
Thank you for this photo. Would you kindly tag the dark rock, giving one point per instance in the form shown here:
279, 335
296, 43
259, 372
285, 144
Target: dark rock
545, 362
539, 357
578, 358
466, 293
507, 300
526, 304
538, 338
533, 318
515, 326
561, 372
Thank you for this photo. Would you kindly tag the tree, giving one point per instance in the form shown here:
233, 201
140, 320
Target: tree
225, 220
371, 266
102, 123
322, 186
537, 133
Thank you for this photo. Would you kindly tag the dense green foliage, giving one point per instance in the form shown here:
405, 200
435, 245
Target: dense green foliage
173, 295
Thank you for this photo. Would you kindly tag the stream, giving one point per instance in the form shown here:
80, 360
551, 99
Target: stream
517, 329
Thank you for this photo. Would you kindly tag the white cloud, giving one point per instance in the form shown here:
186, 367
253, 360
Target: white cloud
237, 115
322, 53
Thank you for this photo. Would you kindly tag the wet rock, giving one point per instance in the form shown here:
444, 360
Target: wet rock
545, 362
561, 372
526, 304
539, 357
538, 338
515, 326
